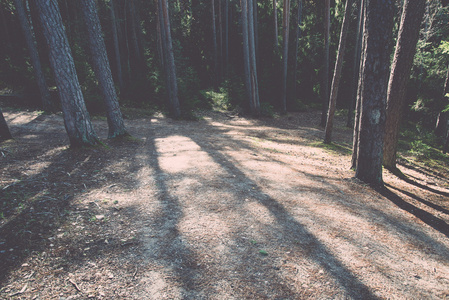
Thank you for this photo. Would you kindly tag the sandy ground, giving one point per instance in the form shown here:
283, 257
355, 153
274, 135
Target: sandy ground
221, 208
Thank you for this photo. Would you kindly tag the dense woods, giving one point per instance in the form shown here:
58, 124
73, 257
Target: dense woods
255, 57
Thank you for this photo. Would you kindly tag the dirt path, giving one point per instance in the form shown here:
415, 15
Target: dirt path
222, 208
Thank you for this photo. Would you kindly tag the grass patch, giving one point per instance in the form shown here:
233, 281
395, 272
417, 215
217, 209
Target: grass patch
340, 149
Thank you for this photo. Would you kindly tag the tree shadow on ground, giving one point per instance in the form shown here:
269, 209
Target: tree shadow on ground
428, 203
426, 217
291, 227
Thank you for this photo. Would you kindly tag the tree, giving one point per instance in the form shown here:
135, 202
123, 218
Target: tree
169, 59
412, 14
445, 93
249, 55
325, 83
377, 33
5, 134
356, 67
76, 118
285, 34
275, 26
214, 38
297, 36
102, 69
34, 55
337, 73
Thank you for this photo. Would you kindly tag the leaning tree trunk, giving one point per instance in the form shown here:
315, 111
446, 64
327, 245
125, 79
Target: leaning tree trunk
285, 34
377, 32
412, 14
34, 55
102, 69
76, 118
170, 67
337, 73
325, 83
5, 134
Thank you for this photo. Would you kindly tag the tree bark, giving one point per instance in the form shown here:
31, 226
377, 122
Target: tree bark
337, 73
170, 67
76, 118
249, 57
5, 134
325, 83
102, 69
412, 14
286, 32
356, 65
34, 55
377, 32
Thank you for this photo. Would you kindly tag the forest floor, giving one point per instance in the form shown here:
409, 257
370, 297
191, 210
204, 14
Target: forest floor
225, 207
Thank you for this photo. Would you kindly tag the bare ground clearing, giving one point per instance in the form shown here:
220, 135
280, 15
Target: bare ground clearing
221, 208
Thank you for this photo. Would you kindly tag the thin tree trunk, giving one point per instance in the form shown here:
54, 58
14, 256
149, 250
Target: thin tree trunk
377, 32
175, 108
337, 73
298, 35
34, 55
226, 35
286, 32
325, 83
118, 61
356, 68
102, 69
214, 39
446, 144
220, 30
256, 30
76, 118
276, 34
253, 60
358, 96
5, 134
412, 14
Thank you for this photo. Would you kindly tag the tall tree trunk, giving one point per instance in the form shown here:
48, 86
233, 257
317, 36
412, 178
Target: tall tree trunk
118, 61
275, 19
5, 134
170, 67
220, 30
297, 36
102, 69
377, 32
214, 39
325, 83
356, 67
286, 31
358, 96
34, 55
76, 118
337, 72
412, 14
249, 55
226, 36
